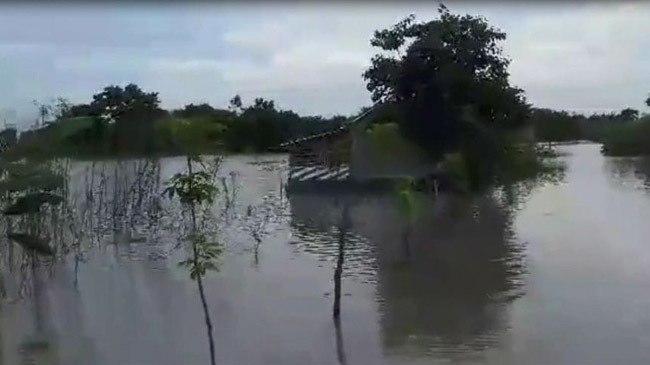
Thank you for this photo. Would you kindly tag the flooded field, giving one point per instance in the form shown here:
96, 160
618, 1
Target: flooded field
561, 276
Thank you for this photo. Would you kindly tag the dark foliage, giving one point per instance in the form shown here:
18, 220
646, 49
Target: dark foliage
32, 203
629, 114
556, 126
440, 72
9, 136
32, 243
560, 126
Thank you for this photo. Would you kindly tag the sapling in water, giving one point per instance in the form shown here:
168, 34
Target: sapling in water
195, 189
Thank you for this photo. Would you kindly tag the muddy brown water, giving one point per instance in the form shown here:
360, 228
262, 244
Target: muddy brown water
562, 279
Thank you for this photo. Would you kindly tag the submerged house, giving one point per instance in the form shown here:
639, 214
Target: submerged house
365, 151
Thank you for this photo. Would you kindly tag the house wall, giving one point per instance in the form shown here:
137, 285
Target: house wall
321, 159
361, 153
392, 158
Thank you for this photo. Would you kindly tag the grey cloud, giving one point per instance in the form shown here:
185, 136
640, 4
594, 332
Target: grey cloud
91, 26
309, 57
588, 59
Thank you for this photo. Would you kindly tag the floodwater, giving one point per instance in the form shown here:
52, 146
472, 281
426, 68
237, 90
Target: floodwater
562, 277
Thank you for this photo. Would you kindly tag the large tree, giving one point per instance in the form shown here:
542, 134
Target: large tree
133, 113
114, 102
205, 111
629, 114
448, 77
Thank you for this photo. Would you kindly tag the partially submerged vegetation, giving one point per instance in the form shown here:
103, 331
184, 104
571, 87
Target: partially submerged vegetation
454, 100
625, 133
195, 188
630, 139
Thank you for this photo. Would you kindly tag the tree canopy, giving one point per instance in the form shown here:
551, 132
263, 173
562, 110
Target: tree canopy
446, 74
449, 80
203, 110
114, 102
629, 114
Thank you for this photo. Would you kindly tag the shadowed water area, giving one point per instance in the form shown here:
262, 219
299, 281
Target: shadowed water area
552, 273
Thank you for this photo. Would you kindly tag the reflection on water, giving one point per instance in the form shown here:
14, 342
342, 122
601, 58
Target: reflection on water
552, 273
629, 172
449, 296
446, 291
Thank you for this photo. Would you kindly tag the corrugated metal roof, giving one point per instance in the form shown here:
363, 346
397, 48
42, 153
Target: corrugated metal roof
334, 131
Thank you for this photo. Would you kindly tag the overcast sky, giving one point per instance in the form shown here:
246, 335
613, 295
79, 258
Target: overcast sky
307, 57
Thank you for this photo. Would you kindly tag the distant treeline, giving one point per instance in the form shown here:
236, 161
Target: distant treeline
623, 133
130, 121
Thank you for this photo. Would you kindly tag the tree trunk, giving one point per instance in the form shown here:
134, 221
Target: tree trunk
199, 281
338, 271
206, 312
340, 351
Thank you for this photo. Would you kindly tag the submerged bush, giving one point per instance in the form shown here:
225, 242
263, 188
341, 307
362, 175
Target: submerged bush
516, 163
630, 139
455, 168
